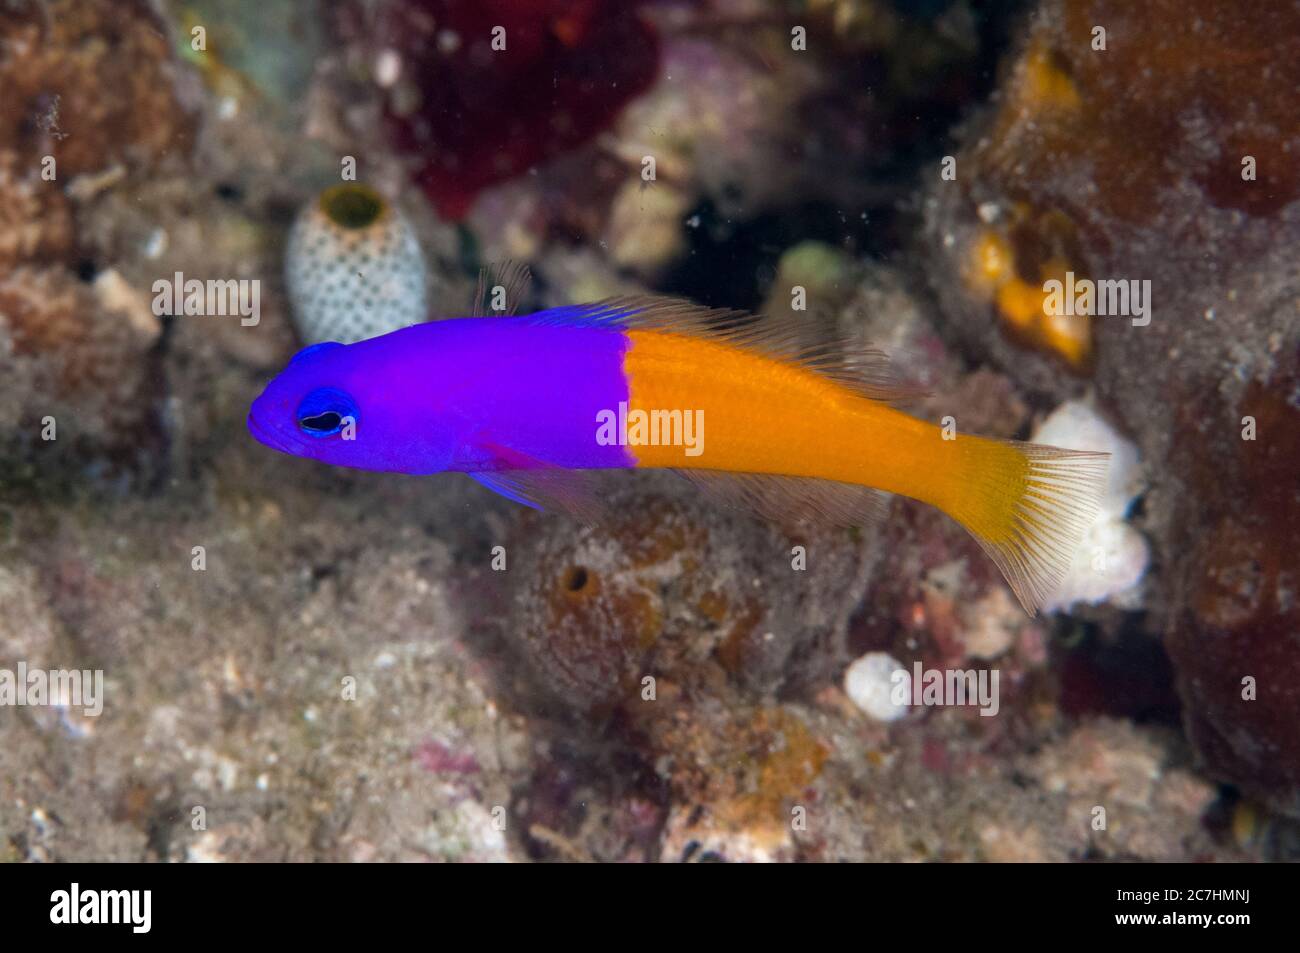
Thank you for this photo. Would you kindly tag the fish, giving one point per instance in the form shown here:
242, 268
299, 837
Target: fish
532, 406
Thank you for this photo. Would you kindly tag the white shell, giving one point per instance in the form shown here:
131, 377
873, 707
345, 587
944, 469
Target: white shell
871, 683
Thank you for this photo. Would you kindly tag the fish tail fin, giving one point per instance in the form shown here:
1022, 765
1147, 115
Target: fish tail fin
1028, 505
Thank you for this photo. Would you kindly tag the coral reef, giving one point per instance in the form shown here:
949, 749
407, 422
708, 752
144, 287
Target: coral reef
58, 59
35, 217
304, 663
664, 592
76, 358
76, 368
1204, 216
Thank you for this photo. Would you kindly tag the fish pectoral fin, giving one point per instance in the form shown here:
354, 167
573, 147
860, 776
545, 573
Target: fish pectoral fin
541, 484
505, 284
793, 500
547, 488
501, 481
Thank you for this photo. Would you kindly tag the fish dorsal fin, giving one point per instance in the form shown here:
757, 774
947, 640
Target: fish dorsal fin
507, 281
865, 370
793, 500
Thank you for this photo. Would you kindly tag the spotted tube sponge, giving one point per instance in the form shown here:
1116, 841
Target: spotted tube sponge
1111, 556
354, 268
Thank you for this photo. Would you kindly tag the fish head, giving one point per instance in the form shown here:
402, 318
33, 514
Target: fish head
353, 405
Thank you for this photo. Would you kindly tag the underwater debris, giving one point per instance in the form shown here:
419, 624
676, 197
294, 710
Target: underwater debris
645, 232
245, 60
353, 267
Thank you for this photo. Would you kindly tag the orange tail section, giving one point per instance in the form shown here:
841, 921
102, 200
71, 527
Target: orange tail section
1028, 506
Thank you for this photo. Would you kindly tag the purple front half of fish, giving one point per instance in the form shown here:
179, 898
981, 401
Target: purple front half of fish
537, 392
466, 394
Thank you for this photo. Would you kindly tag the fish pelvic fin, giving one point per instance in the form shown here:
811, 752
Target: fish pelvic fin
1028, 506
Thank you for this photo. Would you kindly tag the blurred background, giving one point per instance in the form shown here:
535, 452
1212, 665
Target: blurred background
303, 663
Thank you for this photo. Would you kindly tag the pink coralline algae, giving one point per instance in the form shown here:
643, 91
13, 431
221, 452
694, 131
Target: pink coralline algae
437, 758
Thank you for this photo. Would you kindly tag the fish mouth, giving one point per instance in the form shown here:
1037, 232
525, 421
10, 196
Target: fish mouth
261, 434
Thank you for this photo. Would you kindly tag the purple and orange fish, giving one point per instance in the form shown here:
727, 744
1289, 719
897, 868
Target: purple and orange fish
529, 405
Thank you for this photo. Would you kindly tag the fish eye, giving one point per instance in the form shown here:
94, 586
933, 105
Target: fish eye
322, 424
324, 411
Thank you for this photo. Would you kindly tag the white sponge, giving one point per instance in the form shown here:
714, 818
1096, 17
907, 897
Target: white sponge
353, 267
1112, 556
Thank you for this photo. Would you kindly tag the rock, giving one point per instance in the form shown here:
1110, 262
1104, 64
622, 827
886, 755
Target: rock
1138, 163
